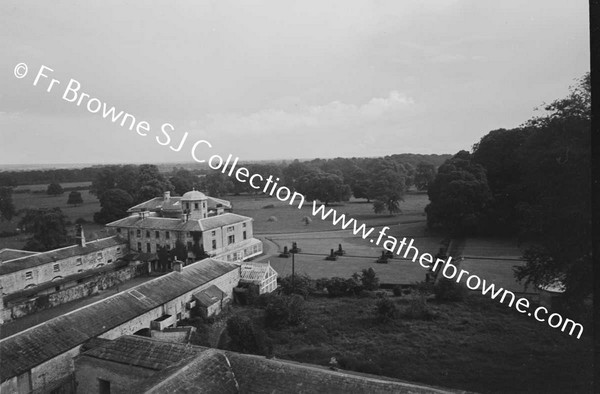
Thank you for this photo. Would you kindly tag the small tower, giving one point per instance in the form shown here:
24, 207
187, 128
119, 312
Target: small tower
194, 205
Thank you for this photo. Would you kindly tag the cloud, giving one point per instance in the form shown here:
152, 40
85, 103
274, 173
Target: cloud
291, 115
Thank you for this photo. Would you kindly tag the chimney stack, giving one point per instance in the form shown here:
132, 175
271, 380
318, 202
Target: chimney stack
79, 235
167, 195
177, 265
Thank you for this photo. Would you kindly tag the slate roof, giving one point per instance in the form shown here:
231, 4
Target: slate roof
25, 350
209, 296
207, 370
158, 203
159, 223
35, 260
142, 352
10, 254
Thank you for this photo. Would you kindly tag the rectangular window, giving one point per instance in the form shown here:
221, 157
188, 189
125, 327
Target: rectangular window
99, 255
244, 235
148, 247
213, 233
29, 275
230, 239
78, 261
139, 245
147, 233
167, 235
230, 229
103, 386
189, 245
138, 233
214, 244
244, 224
156, 235
195, 205
56, 267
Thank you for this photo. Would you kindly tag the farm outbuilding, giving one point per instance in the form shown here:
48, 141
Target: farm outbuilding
260, 274
211, 301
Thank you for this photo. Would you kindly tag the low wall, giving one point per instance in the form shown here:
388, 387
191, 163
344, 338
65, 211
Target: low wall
102, 281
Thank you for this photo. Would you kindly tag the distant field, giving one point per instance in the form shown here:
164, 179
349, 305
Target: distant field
41, 200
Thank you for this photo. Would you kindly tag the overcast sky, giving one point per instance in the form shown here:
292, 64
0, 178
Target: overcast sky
282, 79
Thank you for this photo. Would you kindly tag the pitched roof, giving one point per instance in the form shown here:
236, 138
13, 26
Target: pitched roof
158, 203
159, 223
34, 260
142, 352
25, 350
209, 296
207, 370
7, 254
251, 272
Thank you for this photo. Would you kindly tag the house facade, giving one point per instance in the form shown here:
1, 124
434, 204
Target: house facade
195, 221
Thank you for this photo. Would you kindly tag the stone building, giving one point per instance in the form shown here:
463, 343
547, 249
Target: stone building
132, 364
40, 359
196, 221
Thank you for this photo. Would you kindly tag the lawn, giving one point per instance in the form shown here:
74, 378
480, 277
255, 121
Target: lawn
475, 345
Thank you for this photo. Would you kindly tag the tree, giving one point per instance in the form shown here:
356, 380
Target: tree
103, 181
75, 198
388, 185
459, 196
424, 175
150, 183
368, 279
183, 181
114, 205
324, 187
179, 252
7, 208
54, 189
245, 337
217, 184
48, 226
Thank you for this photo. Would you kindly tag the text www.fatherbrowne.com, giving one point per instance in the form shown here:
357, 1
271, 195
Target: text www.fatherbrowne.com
448, 270
73, 93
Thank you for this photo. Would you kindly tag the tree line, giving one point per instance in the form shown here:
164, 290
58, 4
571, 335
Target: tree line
533, 181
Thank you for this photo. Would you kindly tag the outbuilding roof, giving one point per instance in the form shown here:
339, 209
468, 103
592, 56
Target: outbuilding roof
34, 260
159, 223
209, 296
23, 351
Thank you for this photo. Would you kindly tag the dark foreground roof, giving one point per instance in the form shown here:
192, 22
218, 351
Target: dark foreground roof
25, 350
206, 370
34, 260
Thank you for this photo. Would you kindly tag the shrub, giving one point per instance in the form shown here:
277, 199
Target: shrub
302, 285
339, 287
54, 189
448, 290
285, 310
80, 221
269, 206
272, 219
369, 279
386, 309
417, 308
244, 337
397, 291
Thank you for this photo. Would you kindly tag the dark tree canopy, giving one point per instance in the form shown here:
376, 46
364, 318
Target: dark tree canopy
7, 207
424, 175
54, 189
324, 187
114, 203
75, 198
48, 227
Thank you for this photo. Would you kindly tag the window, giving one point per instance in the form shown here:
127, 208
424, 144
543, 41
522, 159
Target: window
56, 267
179, 316
109, 261
56, 288
148, 247
167, 235
230, 229
244, 224
99, 255
119, 249
118, 230
203, 205
244, 233
156, 235
213, 233
147, 233
214, 244
230, 239
78, 261
196, 205
189, 245
139, 245
138, 233
103, 386
29, 275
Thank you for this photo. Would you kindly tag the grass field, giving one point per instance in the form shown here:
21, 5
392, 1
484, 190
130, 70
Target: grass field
476, 345
41, 200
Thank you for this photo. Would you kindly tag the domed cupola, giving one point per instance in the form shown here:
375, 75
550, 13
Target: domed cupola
194, 204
